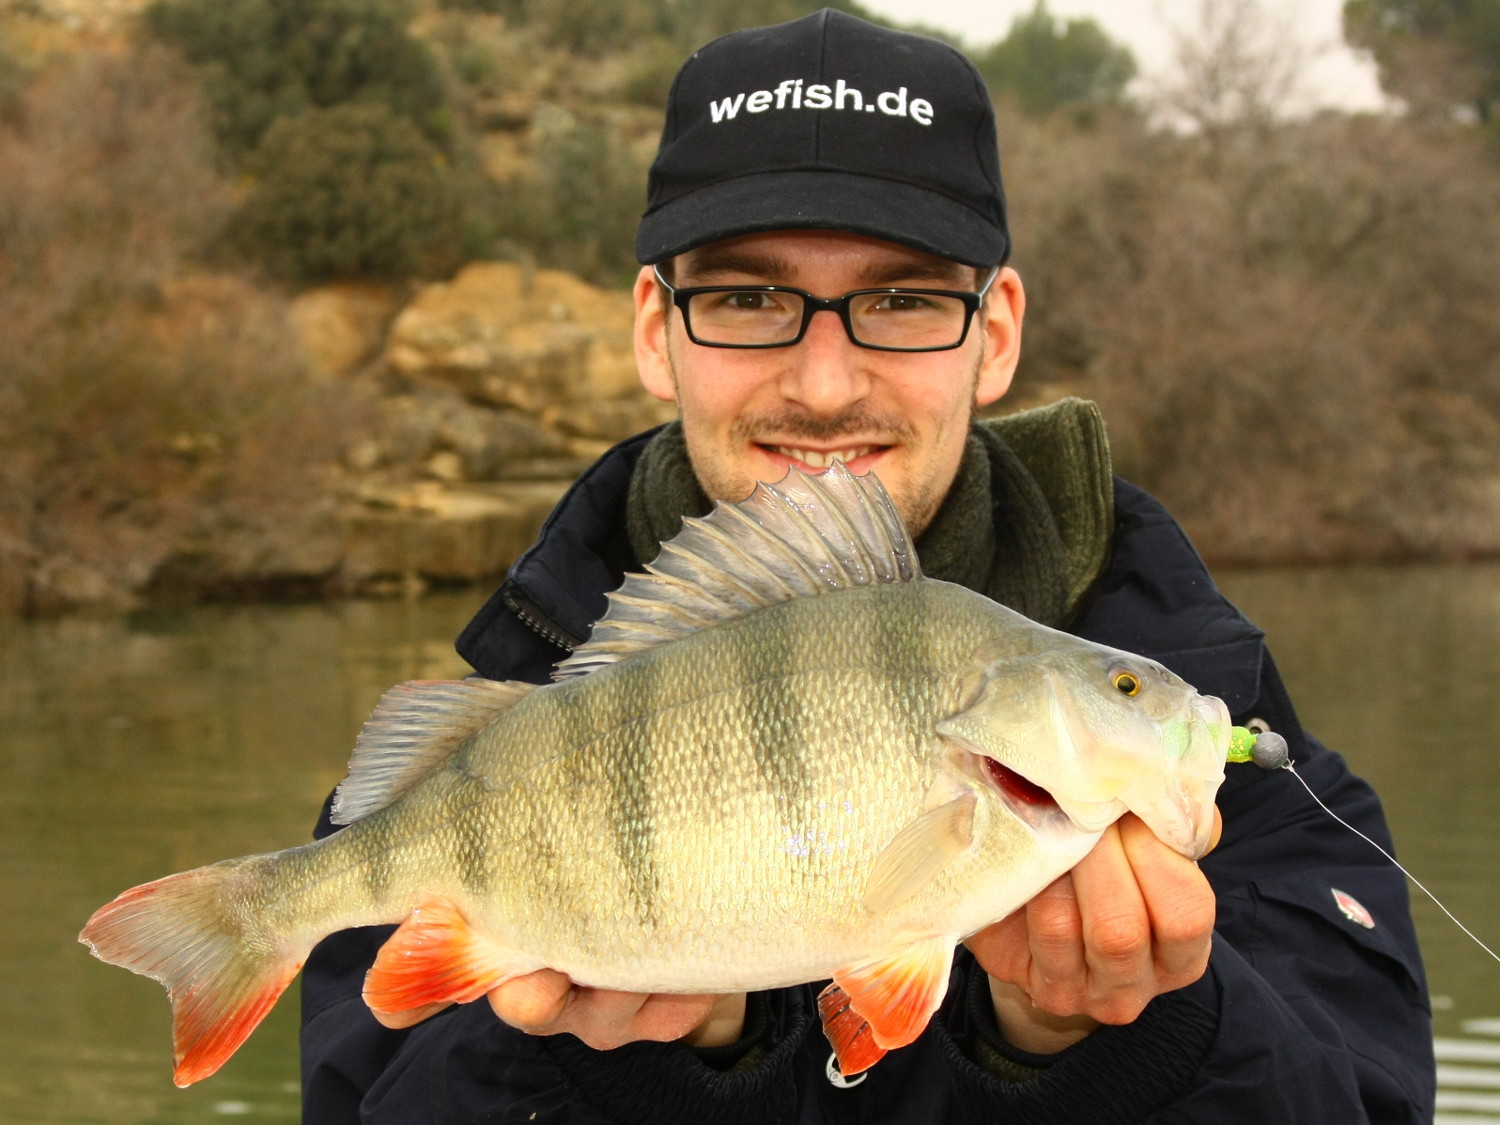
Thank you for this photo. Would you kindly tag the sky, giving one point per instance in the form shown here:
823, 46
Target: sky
1333, 75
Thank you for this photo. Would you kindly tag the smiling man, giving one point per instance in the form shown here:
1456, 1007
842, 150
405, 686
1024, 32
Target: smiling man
824, 276
765, 384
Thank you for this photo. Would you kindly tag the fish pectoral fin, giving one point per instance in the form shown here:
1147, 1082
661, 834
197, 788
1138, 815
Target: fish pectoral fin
895, 995
436, 957
919, 851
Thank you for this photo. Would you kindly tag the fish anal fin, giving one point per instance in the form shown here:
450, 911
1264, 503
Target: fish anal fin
848, 1032
414, 727
436, 957
919, 851
898, 993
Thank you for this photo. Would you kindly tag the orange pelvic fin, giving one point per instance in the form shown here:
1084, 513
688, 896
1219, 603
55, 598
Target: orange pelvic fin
848, 1032
897, 993
186, 931
436, 957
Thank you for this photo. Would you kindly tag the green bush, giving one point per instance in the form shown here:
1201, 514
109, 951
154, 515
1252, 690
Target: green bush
355, 190
577, 210
264, 59
1044, 63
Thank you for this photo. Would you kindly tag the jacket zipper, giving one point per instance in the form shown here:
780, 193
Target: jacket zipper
537, 621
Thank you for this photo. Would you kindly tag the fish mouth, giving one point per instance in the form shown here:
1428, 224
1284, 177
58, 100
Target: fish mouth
1027, 801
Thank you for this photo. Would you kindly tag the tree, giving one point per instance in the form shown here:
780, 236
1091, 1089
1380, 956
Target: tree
354, 190
1438, 56
1044, 62
265, 59
1239, 67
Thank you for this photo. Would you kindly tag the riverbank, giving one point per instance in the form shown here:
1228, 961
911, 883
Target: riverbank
1288, 324
454, 415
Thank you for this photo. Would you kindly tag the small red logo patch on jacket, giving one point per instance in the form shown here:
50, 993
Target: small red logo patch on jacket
1353, 909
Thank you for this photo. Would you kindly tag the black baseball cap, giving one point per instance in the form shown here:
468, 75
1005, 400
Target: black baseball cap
832, 123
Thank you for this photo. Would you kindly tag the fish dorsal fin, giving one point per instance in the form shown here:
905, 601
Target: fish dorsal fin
415, 726
808, 534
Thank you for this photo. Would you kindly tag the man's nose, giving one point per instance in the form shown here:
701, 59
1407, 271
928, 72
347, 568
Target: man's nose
825, 373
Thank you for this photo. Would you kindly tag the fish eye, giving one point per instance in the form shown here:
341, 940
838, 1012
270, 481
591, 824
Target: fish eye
1127, 683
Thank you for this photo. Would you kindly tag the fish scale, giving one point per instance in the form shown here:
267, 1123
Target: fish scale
781, 757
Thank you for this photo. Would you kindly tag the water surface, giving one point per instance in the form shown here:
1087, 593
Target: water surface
133, 748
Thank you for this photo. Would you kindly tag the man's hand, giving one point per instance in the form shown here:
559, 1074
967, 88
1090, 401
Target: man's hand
548, 1003
1133, 920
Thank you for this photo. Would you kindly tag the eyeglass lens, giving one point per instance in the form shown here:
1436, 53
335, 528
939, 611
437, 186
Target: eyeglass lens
752, 317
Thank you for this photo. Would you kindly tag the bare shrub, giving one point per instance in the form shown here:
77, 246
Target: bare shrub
1292, 332
135, 407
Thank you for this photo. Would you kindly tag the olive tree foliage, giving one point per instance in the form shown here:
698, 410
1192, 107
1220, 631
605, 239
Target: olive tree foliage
266, 59
338, 121
1045, 62
592, 28
1439, 56
352, 190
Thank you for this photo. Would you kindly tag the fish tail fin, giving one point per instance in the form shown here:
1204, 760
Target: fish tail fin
192, 932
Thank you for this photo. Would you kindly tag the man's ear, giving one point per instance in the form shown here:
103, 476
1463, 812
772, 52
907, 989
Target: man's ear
651, 359
1000, 320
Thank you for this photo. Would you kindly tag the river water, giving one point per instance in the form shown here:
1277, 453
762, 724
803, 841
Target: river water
136, 747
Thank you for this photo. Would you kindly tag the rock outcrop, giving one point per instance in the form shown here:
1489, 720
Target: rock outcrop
497, 388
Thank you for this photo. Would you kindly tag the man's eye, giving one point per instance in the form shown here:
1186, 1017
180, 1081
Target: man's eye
903, 302
749, 301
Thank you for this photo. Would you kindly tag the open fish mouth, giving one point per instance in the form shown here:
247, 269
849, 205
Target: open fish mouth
1027, 801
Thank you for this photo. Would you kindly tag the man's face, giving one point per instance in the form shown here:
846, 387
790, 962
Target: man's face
749, 415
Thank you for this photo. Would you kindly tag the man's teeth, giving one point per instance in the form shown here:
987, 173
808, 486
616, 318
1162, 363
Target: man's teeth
816, 460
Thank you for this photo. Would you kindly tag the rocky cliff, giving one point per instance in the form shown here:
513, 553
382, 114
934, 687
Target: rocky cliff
484, 396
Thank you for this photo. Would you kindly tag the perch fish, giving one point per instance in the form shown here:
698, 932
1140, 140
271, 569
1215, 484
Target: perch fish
784, 755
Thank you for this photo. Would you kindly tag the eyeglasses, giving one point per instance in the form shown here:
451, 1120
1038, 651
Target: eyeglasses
777, 316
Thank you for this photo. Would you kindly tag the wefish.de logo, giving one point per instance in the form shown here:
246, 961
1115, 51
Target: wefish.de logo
797, 93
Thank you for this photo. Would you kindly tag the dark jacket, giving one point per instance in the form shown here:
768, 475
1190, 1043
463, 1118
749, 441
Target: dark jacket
1304, 1015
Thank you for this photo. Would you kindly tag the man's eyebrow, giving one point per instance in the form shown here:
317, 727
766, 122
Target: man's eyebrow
706, 266
710, 266
918, 269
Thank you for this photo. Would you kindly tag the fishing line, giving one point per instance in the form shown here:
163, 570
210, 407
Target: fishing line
1269, 751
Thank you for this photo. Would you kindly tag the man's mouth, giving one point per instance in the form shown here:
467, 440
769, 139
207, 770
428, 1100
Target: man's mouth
822, 458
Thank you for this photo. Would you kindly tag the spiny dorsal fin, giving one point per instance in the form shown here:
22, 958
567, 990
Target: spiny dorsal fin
415, 726
805, 535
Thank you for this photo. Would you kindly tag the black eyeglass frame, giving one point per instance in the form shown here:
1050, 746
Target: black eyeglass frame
811, 306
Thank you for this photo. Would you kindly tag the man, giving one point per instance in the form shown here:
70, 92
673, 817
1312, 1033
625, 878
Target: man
830, 157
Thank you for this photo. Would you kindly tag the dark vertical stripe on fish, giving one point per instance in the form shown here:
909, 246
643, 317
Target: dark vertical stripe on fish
376, 854
472, 837
773, 715
902, 639
629, 707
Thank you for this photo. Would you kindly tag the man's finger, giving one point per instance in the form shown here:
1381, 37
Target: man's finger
400, 1021
1116, 922
1056, 972
1179, 900
532, 1001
